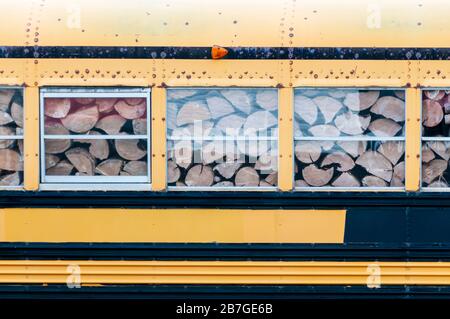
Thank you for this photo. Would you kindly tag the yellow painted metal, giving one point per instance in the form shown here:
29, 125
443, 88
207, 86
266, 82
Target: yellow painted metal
172, 225
322, 23
31, 138
92, 272
286, 139
159, 165
413, 139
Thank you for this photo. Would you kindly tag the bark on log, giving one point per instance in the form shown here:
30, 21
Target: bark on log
82, 119
111, 124
267, 99
259, 121
239, 99
307, 152
51, 160
306, 109
317, 177
140, 126
351, 123
82, 160
110, 167
193, 111
57, 108
432, 113
354, 148
393, 151
435, 95
199, 175
17, 113
173, 172
6, 131
227, 170
105, 105
10, 160
324, 131
343, 161
129, 149
63, 168
130, 112
5, 118
390, 107
134, 100
433, 170
360, 101
328, 106
10, 180
231, 124
346, 180
373, 181
376, 164
218, 106
5, 99
84, 100
246, 177
136, 168
384, 128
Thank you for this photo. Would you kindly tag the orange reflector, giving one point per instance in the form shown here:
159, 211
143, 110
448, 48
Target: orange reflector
218, 52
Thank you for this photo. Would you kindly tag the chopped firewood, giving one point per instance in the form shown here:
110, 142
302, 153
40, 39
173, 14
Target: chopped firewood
328, 106
400, 94
247, 177
213, 151
351, 123
111, 124
140, 126
438, 184
5, 99
56, 146
432, 113
110, 167
223, 184
199, 175
447, 119
390, 107
136, 168
129, 149
192, 112
373, 181
171, 119
259, 121
267, 162
17, 113
384, 127
173, 172
346, 180
343, 161
272, 179
267, 99
180, 184
122, 173
433, 170
398, 178
360, 101
317, 177
10, 160
231, 124
227, 170
20, 146
324, 131
6, 131
301, 183
307, 152
105, 105
99, 148
253, 148
81, 159
218, 106
51, 160
183, 153
326, 145
57, 108
376, 164
84, 100
427, 155
337, 94
434, 94
63, 168
134, 100
10, 180
82, 119
239, 99
440, 148
306, 109
393, 151
5, 118
177, 94
130, 112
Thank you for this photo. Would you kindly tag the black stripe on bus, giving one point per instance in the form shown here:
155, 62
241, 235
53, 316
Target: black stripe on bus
240, 53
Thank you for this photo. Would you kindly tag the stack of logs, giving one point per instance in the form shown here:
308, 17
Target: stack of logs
95, 116
11, 150
194, 114
339, 113
435, 123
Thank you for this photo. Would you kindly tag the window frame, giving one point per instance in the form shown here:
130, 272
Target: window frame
96, 182
274, 188
351, 138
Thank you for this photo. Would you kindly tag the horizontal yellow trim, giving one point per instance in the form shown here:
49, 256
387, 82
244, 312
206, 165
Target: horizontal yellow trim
172, 225
223, 272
